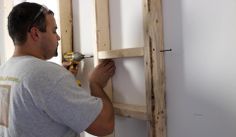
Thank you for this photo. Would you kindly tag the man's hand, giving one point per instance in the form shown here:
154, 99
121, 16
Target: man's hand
72, 67
103, 72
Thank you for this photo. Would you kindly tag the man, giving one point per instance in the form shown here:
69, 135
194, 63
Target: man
42, 99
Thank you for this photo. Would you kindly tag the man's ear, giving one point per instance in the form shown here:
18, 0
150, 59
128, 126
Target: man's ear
34, 33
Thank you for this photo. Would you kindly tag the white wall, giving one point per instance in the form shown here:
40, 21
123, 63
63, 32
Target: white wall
6, 44
201, 69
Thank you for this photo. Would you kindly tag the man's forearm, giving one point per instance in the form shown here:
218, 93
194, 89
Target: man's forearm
98, 91
106, 117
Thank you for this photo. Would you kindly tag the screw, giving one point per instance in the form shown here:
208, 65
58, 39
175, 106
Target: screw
165, 50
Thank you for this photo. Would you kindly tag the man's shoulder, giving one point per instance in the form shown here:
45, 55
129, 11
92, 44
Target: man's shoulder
40, 68
39, 64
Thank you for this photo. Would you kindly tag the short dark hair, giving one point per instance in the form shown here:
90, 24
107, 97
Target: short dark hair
23, 17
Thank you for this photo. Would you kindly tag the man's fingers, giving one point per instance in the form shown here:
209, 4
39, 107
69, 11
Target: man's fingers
110, 68
66, 63
105, 62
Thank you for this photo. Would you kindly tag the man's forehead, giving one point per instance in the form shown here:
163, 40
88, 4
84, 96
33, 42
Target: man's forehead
50, 20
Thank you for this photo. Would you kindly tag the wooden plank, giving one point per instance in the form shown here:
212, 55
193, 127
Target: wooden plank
154, 64
103, 33
121, 53
66, 25
103, 27
149, 82
133, 111
103, 38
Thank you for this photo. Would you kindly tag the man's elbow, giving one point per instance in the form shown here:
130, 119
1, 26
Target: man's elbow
107, 128
103, 129
110, 128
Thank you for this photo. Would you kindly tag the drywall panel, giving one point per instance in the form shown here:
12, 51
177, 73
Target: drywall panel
126, 23
201, 69
129, 82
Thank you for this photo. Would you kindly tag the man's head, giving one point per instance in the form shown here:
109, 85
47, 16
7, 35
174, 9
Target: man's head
31, 20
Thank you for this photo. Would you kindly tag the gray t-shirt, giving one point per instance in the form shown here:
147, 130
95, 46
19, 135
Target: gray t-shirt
42, 99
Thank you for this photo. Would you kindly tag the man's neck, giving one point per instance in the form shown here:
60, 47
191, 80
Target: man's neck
22, 51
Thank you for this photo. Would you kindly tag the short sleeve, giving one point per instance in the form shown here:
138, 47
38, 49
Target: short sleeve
71, 105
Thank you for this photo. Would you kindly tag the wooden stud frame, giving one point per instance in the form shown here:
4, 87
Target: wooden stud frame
66, 25
155, 110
